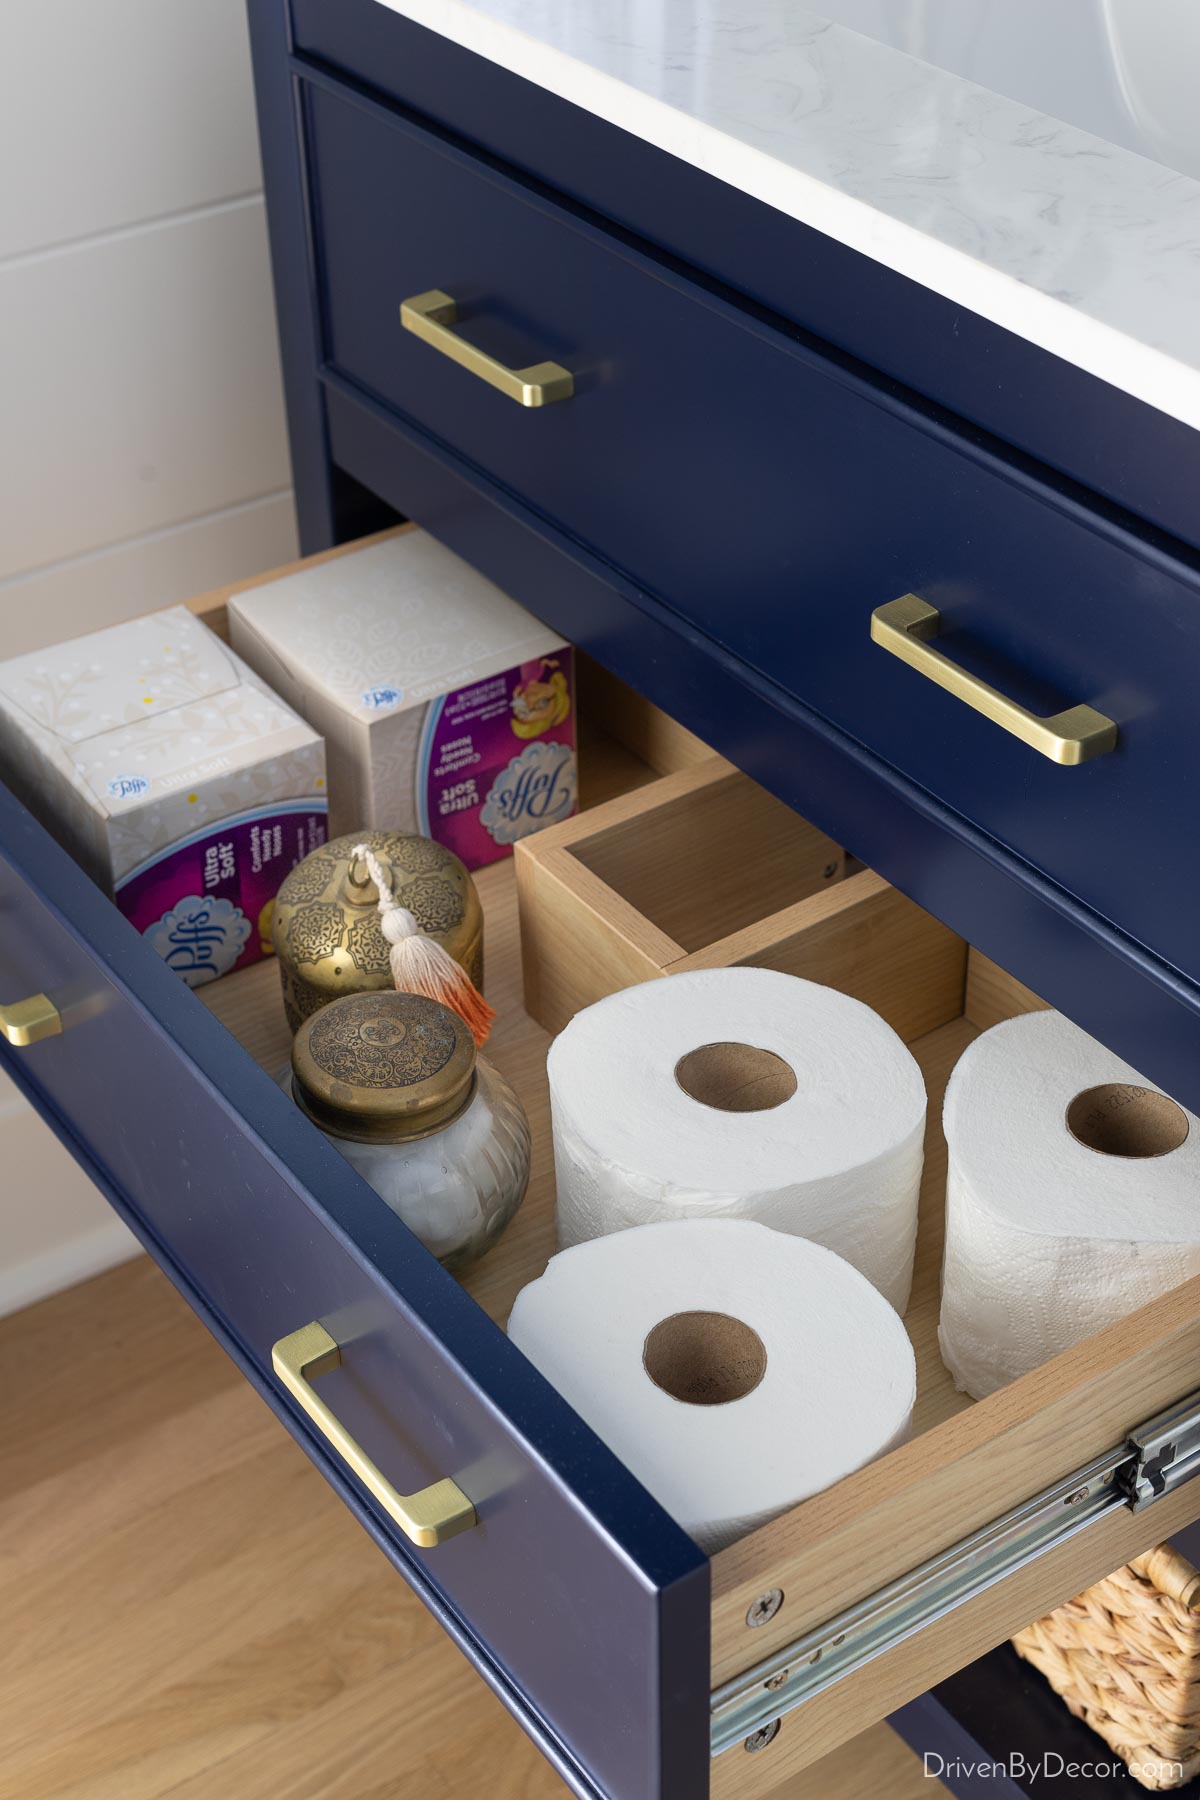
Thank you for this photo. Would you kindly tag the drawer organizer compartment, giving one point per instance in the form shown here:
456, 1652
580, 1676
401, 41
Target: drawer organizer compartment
657, 878
573, 1591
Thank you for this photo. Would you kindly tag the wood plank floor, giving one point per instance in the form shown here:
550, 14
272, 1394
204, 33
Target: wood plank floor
187, 1611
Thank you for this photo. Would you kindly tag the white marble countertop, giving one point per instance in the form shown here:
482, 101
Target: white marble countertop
1072, 240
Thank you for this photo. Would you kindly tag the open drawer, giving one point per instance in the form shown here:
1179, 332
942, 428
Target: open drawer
592, 1615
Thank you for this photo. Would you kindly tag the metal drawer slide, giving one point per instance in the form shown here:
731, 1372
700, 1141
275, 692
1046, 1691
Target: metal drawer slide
1155, 1459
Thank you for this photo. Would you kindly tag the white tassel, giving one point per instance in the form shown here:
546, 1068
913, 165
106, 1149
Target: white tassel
419, 964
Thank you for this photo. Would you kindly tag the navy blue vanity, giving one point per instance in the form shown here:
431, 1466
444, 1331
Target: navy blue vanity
733, 488
765, 437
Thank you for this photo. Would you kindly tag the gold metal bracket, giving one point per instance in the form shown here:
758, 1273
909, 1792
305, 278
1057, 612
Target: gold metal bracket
427, 1517
905, 628
25, 1021
430, 316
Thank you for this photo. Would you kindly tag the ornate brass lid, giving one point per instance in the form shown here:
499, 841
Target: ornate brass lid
326, 921
383, 1066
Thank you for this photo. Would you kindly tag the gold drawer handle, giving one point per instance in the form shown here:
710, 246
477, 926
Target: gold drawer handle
430, 316
428, 1517
26, 1021
905, 628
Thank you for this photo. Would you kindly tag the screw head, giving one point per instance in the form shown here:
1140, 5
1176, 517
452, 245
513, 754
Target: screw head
829, 871
766, 1734
765, 1607
777, 1681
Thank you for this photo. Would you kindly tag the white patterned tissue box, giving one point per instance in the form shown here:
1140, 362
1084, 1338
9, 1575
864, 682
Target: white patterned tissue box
172, 773
446, 708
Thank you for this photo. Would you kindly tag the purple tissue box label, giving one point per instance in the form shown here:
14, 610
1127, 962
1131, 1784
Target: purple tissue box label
205, 905
497, 759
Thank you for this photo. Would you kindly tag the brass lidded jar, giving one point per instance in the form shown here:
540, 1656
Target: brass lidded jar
396, 1084
326, 919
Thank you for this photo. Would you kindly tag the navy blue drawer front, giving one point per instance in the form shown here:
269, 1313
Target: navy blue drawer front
575, 1595
1117, 446
773, 497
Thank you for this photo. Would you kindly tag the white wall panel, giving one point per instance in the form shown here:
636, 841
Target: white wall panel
142, 448
116, 111
106, 586
141, 385
55, 1227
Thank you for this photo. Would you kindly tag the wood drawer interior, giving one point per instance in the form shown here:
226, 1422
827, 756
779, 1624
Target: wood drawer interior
966, 1462
660, 878
725, 852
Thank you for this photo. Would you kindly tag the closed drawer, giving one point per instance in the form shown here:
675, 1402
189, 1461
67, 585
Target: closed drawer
774, 496
594, 1617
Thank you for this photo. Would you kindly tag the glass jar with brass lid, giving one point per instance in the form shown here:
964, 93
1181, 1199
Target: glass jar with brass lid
396, 1084
325, 924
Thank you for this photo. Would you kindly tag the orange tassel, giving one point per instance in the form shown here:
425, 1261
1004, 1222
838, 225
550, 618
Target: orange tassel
419, 964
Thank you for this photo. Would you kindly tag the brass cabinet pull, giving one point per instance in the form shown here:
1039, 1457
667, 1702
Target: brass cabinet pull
428, 1517
430, 316
905, 627
25, 1021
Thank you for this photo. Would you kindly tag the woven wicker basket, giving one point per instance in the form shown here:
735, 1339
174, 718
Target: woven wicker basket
1125, 1656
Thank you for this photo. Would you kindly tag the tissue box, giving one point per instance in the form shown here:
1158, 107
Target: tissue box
446, 708
180, 782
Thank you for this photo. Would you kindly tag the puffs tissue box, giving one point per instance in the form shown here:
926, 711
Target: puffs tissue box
446, 708
183, 786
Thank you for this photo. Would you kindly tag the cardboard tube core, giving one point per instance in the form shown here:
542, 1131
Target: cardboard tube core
704, 1358
1119, 1119
735, 1077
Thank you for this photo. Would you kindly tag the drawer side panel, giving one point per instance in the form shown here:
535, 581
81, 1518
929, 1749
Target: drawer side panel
575, 1593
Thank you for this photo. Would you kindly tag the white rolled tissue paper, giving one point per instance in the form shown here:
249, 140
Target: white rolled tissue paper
748, 1094
734, 1370
1072, 1197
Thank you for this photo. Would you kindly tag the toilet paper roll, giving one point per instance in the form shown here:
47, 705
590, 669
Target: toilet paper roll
741, 1093
733, 1369
1072, 1197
